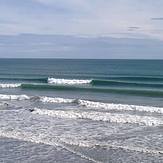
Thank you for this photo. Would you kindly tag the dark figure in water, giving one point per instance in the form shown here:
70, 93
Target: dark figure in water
31, 110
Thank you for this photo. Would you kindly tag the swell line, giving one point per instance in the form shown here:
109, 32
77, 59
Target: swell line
44, 80
127, 91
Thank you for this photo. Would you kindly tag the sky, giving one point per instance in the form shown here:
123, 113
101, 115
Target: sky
131, 20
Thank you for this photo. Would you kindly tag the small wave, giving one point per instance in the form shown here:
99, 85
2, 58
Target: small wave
105, 106
67, 81
111, 106
10, 85
14, 97
55, 100
99, 116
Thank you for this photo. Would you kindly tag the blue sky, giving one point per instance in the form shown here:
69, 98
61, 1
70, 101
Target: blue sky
132, 19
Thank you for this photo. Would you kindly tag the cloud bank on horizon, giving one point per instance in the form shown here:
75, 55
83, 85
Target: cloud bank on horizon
128, 21
116, 18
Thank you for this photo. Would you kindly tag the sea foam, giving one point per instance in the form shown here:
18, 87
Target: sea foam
99, 116
105, 106
55, 141
121, 107
85, 103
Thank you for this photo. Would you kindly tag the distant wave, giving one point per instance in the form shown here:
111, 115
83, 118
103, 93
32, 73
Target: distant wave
44, 80
126, 83
109, 82
99, 116
10, 85
68, 84
47, 83
85, 103
127, 91
67, 81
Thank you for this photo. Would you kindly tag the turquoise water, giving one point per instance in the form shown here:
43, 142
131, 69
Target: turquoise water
81, 110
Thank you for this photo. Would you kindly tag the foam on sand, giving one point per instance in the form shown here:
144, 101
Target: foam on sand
99, 116
67, 81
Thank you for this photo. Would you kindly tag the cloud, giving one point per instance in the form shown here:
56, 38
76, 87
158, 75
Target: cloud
82, 17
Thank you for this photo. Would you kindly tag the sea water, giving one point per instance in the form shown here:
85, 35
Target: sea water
59, 110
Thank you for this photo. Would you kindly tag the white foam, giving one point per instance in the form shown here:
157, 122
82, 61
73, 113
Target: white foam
10, 85
112, 146
40, 138
55, 100
14, 97
105, 106
67, 81
110, 106
99, 116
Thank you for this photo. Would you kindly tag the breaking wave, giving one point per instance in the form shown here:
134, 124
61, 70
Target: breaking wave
99, 116
125, 107
10, 85
14, 97
68, 81
85, 103
56, 100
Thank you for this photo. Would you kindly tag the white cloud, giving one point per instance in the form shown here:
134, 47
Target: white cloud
84, 17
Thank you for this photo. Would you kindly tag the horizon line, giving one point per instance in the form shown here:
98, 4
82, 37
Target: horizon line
89, 58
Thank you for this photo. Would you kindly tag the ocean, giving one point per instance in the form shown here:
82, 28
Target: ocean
78, 110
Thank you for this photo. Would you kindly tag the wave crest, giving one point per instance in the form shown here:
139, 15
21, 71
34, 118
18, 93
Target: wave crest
55, 100
67, 81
